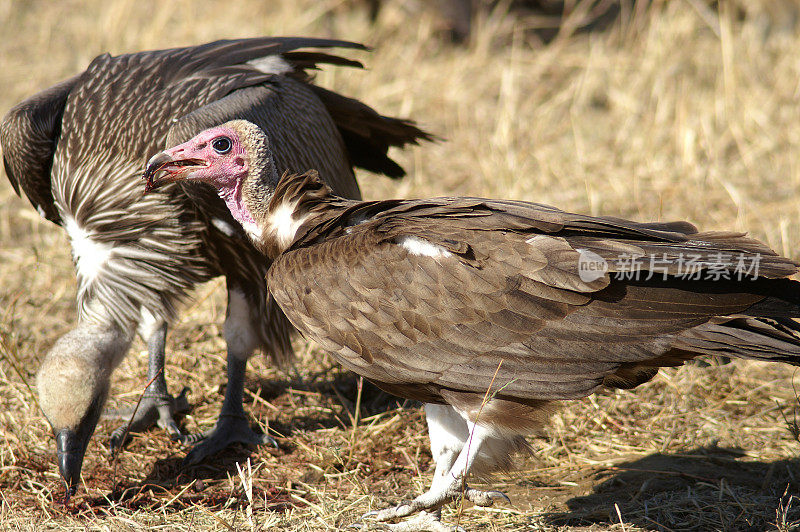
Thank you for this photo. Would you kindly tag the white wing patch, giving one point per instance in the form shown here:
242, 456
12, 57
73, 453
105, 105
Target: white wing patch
90, 256
223, 226
283, 223
252, 229
271, 64
419, 246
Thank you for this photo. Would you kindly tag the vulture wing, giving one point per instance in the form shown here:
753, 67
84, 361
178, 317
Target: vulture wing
179, 81
437, 296
29, 133
369, 135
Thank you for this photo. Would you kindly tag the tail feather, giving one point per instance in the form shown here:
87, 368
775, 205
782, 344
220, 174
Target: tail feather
768, 339
782, 300
369, 135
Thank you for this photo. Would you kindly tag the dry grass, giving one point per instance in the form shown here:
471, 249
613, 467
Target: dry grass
677, 113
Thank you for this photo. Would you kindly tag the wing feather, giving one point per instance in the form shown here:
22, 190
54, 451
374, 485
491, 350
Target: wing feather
28, 134
509, 304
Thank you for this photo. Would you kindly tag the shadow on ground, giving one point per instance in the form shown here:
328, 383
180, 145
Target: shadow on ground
708, 488
335, 390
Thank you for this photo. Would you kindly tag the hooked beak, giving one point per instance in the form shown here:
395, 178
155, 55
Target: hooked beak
70, 452
71, 446
171, 170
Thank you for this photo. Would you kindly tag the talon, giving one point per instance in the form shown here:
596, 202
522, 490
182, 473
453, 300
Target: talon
173, 431
269, 440
403, 510
484, 498
495, 494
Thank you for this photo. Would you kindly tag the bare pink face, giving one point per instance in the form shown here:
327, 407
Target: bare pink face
215, 156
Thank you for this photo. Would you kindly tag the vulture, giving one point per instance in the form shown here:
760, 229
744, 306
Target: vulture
73, 148
491, 312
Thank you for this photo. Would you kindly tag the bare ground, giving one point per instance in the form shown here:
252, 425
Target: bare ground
679, 112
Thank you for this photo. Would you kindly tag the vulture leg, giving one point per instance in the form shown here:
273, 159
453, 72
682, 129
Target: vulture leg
455, 444
232, 425
157, 405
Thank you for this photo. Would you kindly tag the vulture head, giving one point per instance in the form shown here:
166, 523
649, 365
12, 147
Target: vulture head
235, 158
73, 385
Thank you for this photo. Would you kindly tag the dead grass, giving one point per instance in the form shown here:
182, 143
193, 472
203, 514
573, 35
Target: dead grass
681, 113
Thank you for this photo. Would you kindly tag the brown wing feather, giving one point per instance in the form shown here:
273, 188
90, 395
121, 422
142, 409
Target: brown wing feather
505, 300
29, 133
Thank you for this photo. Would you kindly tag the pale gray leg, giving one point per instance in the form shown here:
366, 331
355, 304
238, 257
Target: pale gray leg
454, 444
232, 425
157, 405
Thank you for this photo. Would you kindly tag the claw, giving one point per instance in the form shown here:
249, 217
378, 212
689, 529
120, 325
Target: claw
484, 498
496, 494
173, 431
428, 505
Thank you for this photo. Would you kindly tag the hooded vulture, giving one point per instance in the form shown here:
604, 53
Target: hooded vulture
74, 150
491, 312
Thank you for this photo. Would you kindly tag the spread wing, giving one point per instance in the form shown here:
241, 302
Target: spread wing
29, 133
446, 294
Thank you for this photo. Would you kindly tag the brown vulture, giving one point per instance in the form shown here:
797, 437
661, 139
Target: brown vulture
74, 149
489, 311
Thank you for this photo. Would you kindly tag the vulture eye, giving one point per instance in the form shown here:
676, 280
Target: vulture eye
221, 145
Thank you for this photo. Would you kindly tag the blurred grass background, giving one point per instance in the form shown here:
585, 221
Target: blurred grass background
679, 110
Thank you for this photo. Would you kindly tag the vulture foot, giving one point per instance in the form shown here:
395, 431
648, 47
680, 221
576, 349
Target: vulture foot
230, 429
153, 409
433, 499
422, 522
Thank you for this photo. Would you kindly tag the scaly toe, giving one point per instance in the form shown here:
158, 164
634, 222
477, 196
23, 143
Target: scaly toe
229, 430
401, 510
422, 522
484, 498
153, 409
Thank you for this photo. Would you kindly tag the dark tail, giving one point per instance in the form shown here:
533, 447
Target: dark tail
368, 135
769, 339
